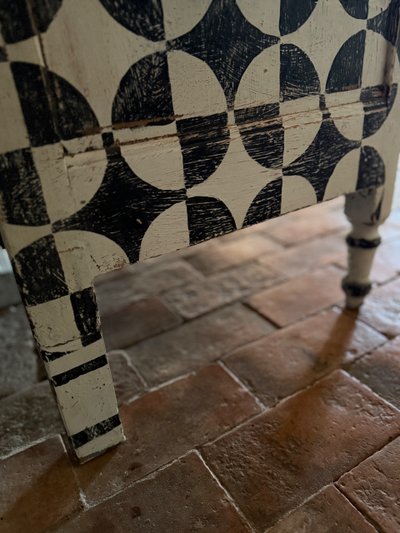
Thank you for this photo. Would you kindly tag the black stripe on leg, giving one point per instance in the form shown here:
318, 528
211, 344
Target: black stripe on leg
52, 356
86, 315
366, 244
91, 433
63, 378
356, 290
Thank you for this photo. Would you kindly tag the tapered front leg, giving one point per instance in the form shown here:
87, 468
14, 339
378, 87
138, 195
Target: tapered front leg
66, 327
79, 371
363, 211
76, 363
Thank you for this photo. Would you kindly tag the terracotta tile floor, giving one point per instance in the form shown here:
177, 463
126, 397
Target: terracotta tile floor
251, 400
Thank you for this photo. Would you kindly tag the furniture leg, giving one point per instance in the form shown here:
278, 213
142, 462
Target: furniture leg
363, 210
68, 337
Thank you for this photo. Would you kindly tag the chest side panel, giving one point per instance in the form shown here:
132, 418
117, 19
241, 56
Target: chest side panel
137, 128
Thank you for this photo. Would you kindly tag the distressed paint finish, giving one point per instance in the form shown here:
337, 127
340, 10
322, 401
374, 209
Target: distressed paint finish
131, 129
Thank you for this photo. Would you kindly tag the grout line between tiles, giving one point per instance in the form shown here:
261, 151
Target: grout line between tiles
305, 241
82, 497
23, 447
298, 506
384, 400
132, 366
289, 397
160, 386
299, 320
235, 378
150, 475
354, 504
237, 302
226, 492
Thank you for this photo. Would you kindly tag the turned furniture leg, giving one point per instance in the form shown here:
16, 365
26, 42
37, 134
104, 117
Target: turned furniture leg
362, 209
66, 327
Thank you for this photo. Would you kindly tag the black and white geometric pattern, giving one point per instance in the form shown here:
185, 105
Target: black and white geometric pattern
132, 128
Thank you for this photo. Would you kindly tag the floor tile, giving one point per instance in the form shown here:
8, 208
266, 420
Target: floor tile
307, 224
197, 343
126, 381
389, 232
232, 253
220, 289
327, 512
292, 358
381, 309
182, 497
374, 487
308, 256
18, 360
132, 283
40, 489
28, 416
165, 424
137, 321
9, 293
380, 370
275, 462
295, 299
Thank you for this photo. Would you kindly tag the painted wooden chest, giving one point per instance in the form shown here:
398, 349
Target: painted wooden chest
132, 128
